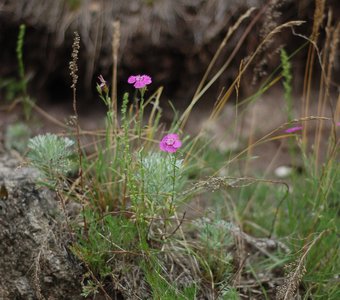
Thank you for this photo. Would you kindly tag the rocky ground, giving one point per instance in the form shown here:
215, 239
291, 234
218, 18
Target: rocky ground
35, 262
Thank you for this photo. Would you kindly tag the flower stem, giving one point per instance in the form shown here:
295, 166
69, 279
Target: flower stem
173, 178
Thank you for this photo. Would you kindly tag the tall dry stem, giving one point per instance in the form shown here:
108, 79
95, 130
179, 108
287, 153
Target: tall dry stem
330, 52
115, 49
318, 18
73, 66
203, 88
218, 107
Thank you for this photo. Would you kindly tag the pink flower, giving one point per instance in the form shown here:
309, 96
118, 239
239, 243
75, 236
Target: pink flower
140, 81
293, 129
102, 84
337, 124
170, 143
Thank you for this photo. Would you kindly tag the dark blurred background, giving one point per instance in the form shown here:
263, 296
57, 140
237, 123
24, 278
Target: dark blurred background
172, 41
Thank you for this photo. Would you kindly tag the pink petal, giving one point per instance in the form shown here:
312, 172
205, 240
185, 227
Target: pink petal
293, 129
132, 79
101, 79
177, 144
146, 79
172, 136
162, 146
170, 149
139, 84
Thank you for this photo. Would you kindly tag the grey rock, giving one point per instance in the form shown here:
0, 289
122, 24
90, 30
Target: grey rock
34, 260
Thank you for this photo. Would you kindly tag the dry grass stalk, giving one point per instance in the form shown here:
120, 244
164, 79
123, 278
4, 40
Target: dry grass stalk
73, 63
74, 75
334, 46
337, 109
115, 48
322, 92
318, 18
230, 32
36, 279
74, 70
201, 89
293, 279
269, 137
186, 113
224, 99
251, 139
330, 52
332, 57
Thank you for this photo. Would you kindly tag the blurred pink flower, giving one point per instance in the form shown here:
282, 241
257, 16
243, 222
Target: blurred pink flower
140, 81
170, 143
102, 84
337, 124
293, 129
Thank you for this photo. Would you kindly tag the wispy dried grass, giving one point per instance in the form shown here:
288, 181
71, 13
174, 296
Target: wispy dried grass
226, 96
201, 89
329, 54
317, 22
294, 277
115, 47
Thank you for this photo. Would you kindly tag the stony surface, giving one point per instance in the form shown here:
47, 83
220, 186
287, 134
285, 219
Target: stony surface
35, 262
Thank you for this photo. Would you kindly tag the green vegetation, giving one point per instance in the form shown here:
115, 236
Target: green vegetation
52, 156
26, 102
256, 236
15, 89
17, 136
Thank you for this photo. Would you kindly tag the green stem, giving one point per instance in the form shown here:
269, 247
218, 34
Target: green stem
173, 192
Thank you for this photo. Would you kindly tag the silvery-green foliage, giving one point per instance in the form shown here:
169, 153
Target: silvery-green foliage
214, 234
229, 293
158, 175
51, 155
215, 242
